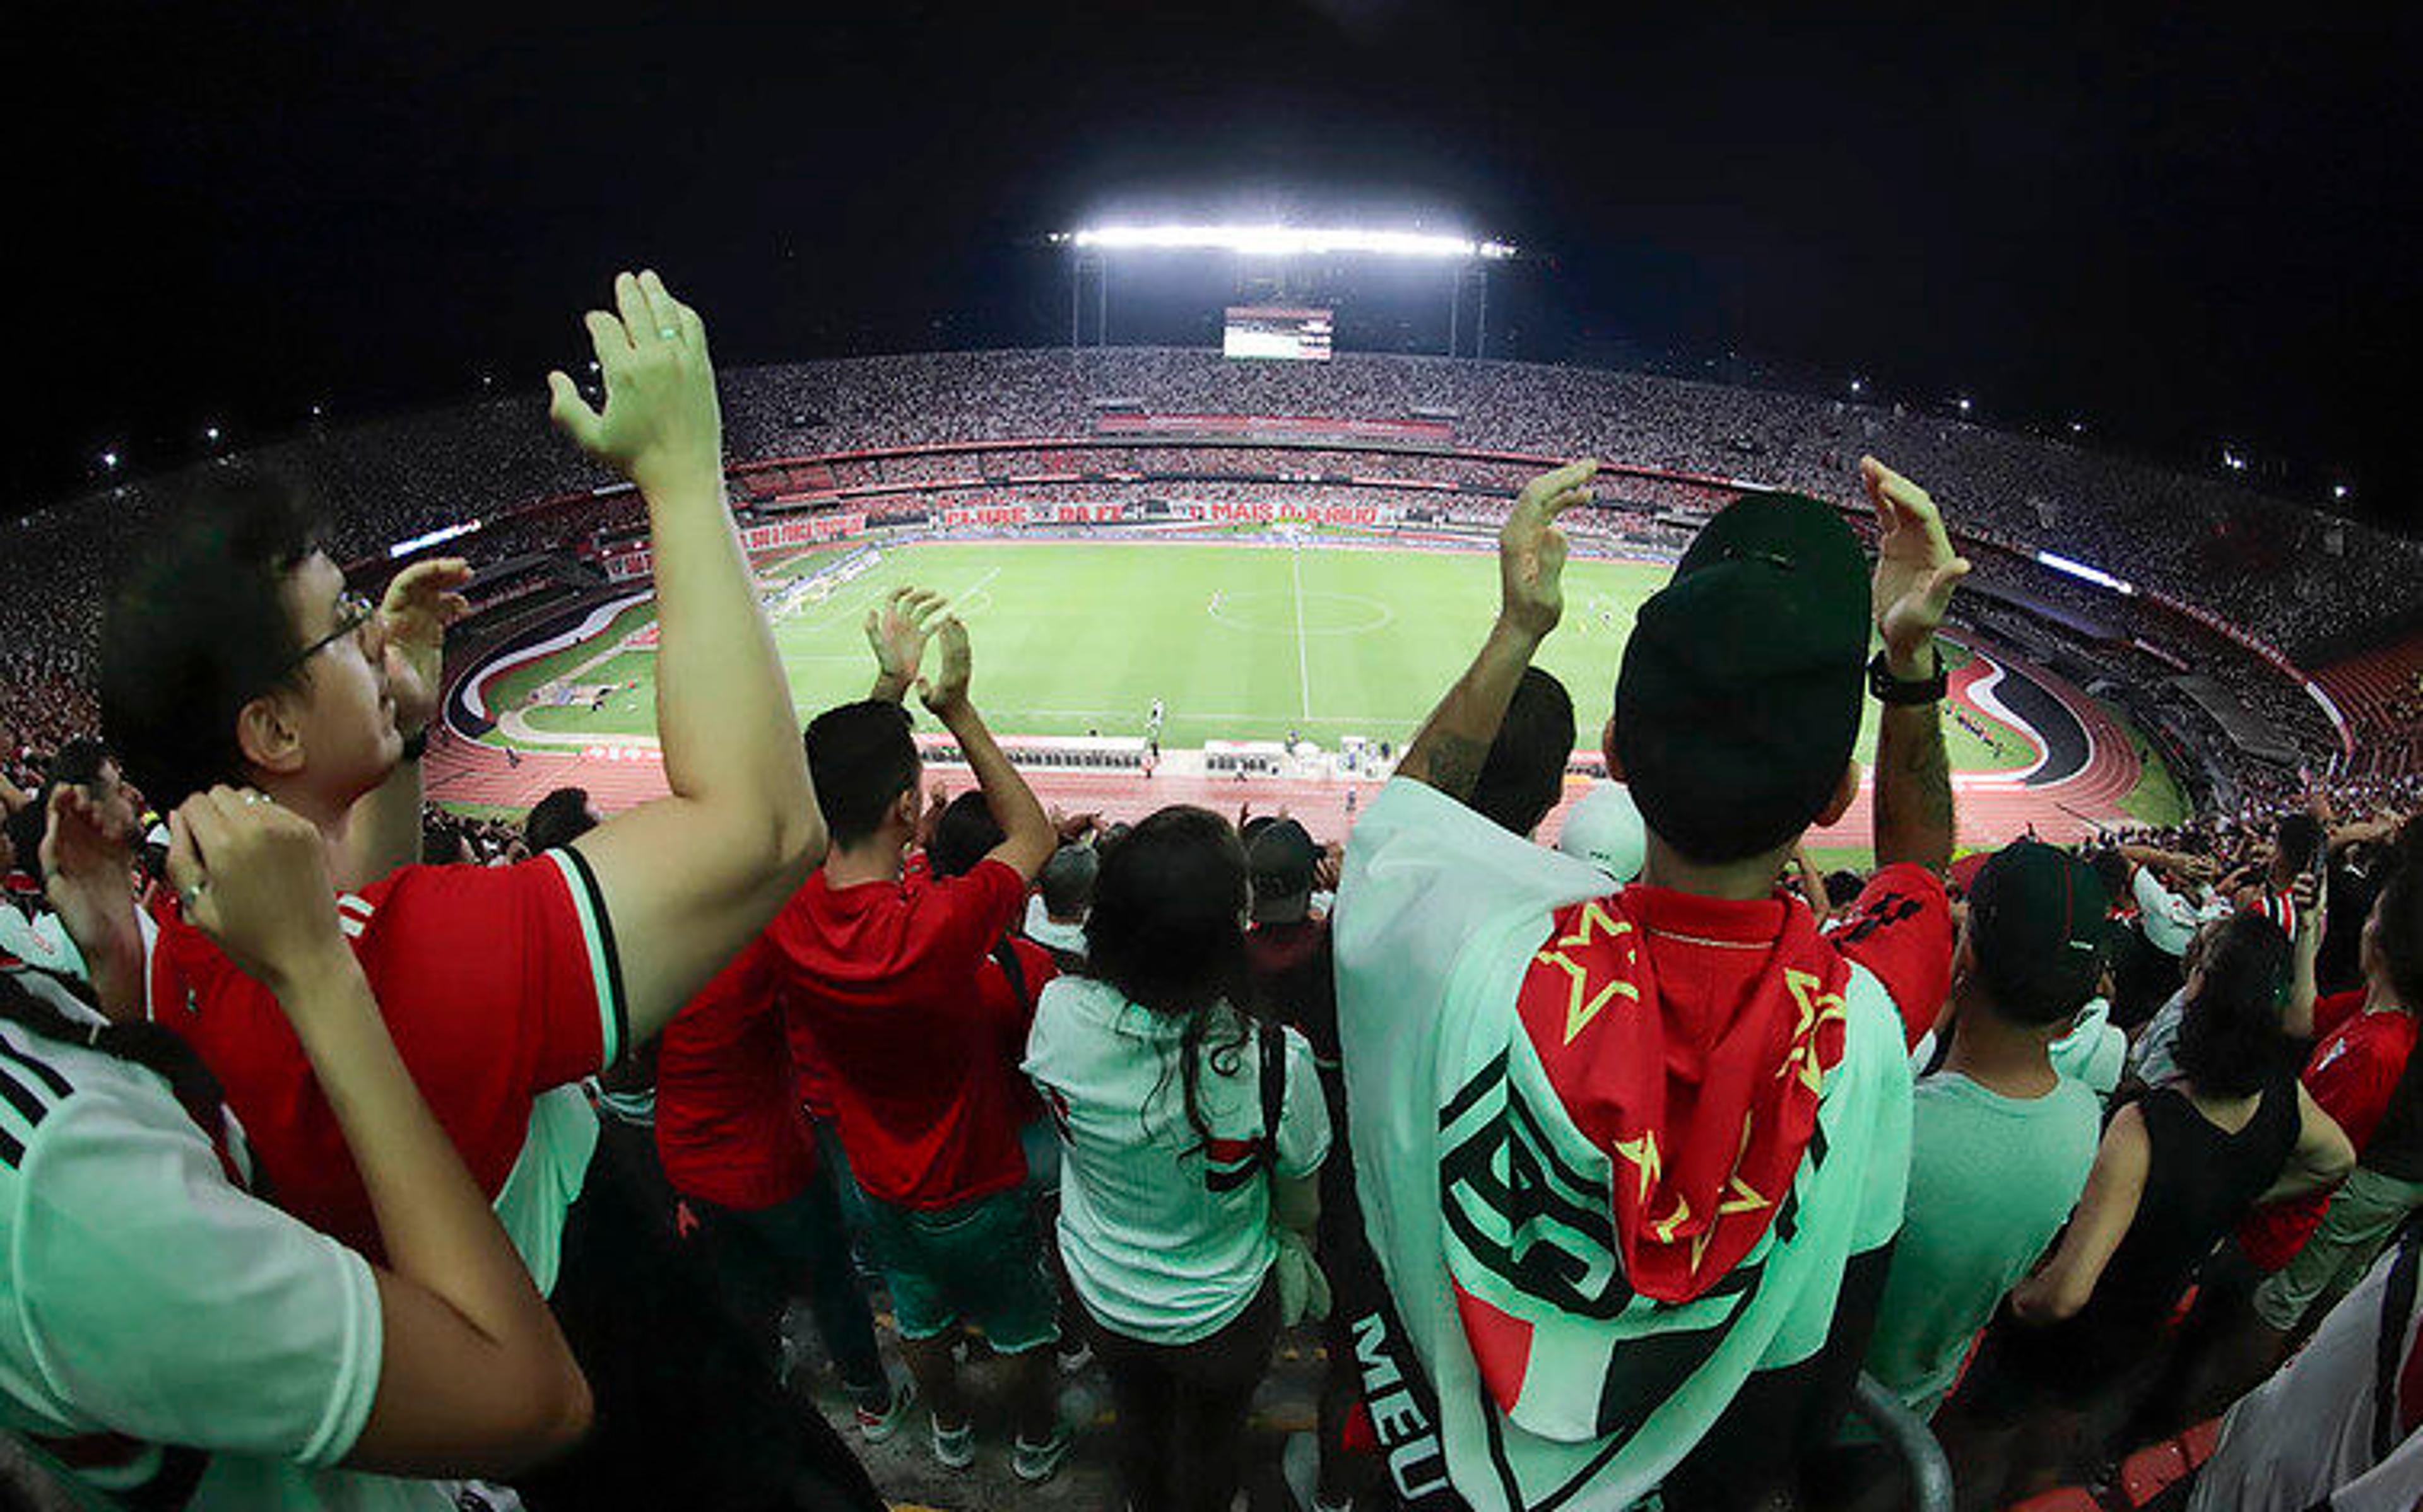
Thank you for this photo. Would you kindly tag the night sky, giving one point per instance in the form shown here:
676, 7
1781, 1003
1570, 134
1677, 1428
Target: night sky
2183, 231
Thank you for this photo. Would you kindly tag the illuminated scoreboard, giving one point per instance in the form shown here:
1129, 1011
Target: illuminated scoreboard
1276, 332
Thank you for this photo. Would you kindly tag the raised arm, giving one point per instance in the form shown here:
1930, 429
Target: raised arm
686, 880
2313, 899
87, 870
1916, 572
1448, 751
1028, 836
475, 1377
382, 829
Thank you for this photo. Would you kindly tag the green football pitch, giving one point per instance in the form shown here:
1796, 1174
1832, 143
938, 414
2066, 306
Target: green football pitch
1240, 642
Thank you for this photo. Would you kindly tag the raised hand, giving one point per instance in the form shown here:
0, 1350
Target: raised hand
948, 690
421, 602
254, 877
1532, 550
662, 428
2311, 894
1916, 567
898, 631
87, 861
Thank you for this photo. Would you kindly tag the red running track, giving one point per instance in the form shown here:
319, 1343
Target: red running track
1992, 809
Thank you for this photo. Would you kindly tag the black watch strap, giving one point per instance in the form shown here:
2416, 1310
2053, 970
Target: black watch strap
1894, 691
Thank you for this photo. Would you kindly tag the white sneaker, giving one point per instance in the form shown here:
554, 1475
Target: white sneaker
1035, 1462
955, 1448
878, 1426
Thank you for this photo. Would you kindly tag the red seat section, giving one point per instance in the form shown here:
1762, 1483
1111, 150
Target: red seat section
2380, 692
2198, 1442
2060, 1499
2150, 1472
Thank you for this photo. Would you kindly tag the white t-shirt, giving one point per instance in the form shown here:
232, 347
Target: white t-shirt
2306, 1433
1167, 1240
1048, 932
148, 1297
2093, 1051
2155, 1058
2168, 918
39, 953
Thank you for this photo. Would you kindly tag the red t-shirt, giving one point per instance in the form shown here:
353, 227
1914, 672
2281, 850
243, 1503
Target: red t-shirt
885, 983
496, 983
2350, 1074
728, 1125
1901, 930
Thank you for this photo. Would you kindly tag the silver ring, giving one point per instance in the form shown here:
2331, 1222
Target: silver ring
667, 332
255, 798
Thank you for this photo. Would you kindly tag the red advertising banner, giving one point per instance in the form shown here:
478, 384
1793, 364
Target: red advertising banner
758, 540
1286, 427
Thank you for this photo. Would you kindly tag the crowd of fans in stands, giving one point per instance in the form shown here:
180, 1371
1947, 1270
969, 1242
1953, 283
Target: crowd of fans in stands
386, 482
356, 1157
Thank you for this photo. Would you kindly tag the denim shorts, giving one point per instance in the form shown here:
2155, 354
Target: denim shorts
978, 1262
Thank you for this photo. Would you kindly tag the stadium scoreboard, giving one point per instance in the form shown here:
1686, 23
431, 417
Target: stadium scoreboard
1276, 332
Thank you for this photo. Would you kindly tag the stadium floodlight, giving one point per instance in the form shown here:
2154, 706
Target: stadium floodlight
437, 537
1963, 406
211, 432
109, 459
2338, 490
2080, 569
1285, 242
1855, 386
316, 412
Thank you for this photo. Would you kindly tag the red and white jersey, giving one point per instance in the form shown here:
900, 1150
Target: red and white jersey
496, 983
166, 1338
2280, 907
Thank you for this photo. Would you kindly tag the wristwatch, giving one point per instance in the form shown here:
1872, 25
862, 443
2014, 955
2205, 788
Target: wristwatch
1895, 693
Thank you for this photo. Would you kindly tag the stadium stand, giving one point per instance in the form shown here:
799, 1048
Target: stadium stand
991, 444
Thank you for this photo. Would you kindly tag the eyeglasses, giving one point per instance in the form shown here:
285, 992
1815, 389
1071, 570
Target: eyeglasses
353, 612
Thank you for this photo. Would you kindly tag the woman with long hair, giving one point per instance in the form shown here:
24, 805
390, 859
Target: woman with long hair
173, 1340
1191, 1131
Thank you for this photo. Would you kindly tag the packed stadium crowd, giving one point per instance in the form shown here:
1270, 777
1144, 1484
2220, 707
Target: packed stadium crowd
390, 479
356, 1157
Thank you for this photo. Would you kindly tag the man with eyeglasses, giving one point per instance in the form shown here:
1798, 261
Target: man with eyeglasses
236, 654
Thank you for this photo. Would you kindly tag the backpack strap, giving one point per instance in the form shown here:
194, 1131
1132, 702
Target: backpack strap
1006, 955
1273, 1083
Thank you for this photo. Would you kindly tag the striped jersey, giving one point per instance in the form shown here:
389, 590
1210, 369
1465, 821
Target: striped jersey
167, 1339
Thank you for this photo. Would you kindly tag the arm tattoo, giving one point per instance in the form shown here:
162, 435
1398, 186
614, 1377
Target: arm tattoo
1454, 763
1930, 769
1914, 815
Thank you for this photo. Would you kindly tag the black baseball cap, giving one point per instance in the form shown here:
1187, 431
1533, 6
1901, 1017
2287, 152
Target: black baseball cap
2037, 928
1281, 861
1739, 695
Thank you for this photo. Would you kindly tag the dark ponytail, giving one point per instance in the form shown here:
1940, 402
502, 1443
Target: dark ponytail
143, 1043
1168, 930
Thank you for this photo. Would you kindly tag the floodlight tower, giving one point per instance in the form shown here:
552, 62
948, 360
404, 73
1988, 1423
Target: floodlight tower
1271, 249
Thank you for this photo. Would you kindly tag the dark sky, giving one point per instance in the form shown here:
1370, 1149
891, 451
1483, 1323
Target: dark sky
2183, 231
